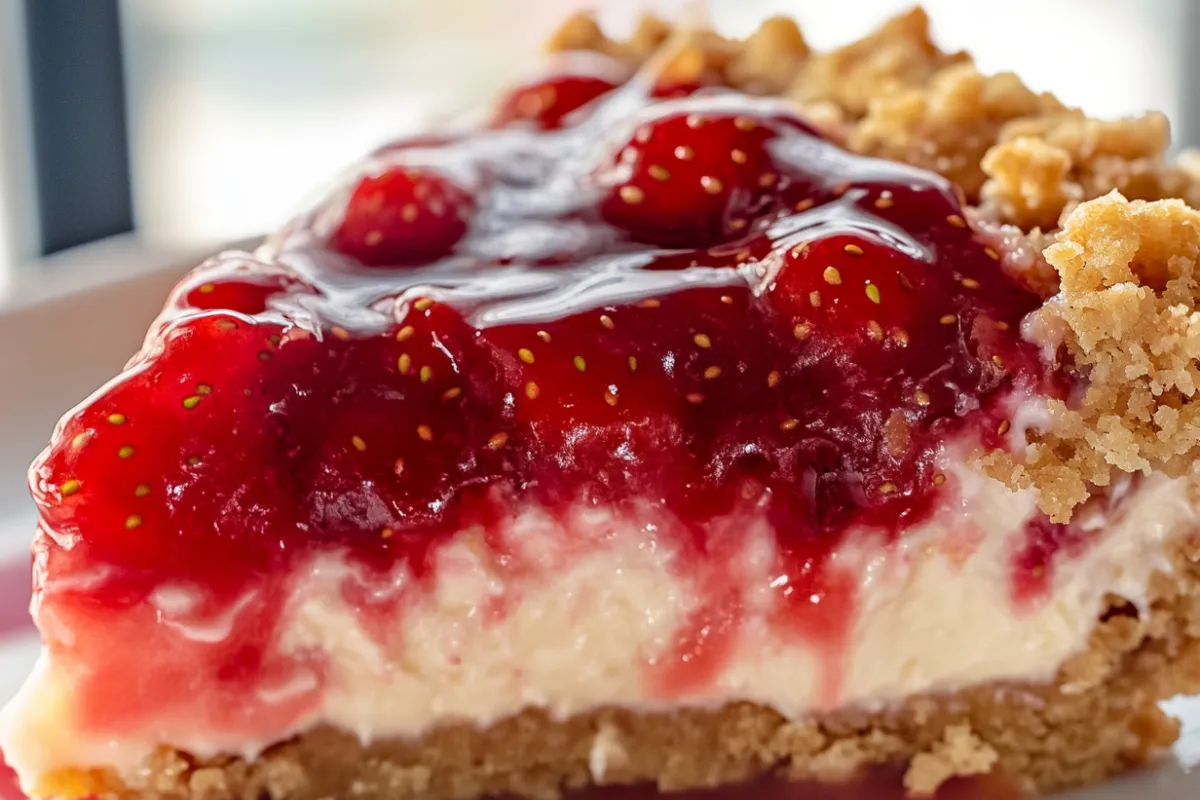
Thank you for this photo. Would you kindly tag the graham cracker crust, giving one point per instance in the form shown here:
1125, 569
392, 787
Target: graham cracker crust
1098, 718
1029, 164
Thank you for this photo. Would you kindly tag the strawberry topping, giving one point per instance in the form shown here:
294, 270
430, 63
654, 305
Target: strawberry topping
245, 288
690, 178
545, 103
861, 288
402, 216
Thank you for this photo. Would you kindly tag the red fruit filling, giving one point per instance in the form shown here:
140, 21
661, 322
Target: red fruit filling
403, 216
698, 172
544, 103
821, 325
242, 287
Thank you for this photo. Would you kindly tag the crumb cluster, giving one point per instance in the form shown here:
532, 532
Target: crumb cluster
1125, 314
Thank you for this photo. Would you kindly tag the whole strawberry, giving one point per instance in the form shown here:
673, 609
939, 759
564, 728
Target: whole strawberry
544, 104
403, 216
695, 177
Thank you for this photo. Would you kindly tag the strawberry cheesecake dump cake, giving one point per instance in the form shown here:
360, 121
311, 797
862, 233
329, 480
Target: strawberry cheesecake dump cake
715, 409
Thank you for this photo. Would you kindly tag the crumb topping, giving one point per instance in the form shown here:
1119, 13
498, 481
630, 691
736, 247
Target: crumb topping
580, 31
948, 123
1042, 166
1028, 182
898, 57
1126, 315
770, 58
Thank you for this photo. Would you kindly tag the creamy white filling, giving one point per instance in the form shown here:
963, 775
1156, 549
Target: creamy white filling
596, 606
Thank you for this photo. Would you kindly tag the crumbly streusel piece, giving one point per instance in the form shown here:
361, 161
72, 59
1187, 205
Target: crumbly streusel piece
1028, 183
1128, 315
770, 58
1042, 165
581, 32
765, 63
901, 55
948, 123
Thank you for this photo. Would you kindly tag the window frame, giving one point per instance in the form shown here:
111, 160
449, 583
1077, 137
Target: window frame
19, 226
77, 116
38, 263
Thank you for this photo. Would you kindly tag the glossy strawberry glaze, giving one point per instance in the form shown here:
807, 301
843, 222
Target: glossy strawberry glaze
697, 305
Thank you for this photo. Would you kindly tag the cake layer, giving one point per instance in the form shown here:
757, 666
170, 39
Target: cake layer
567, 615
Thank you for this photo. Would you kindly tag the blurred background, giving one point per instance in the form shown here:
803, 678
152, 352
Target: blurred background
136, 135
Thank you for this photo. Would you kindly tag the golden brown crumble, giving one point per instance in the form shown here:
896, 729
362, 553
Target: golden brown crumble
769, 57
899, 56
1099, 717
581, 32
1042, 165
765, 63
948, 123
1126, 314
1028, 182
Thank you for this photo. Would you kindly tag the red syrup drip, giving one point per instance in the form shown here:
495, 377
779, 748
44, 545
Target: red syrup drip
674, 304
1033, 565
9, 789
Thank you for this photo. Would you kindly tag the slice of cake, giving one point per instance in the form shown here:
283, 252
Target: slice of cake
715, 410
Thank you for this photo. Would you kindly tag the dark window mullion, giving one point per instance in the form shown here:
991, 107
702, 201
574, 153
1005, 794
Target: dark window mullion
1187, 133
80, 140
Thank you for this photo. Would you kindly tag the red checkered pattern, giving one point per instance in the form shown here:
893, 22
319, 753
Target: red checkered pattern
8, 783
